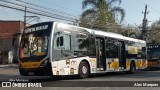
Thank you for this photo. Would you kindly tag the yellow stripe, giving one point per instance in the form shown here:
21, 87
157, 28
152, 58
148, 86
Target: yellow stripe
31, 64
145, 64
114, 64
139, 64
128, 64
152, 63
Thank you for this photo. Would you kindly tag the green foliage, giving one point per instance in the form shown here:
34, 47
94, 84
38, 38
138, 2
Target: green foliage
131, 31
154, 33
101, 15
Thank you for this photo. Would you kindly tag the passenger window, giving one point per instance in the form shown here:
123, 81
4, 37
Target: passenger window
67, 42
112, 48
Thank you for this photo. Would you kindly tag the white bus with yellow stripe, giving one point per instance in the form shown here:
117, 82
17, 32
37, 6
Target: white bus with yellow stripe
57, 49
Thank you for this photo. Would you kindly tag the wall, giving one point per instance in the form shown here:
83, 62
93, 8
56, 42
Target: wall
7, 29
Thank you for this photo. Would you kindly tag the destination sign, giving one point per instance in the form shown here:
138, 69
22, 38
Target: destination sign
38, 28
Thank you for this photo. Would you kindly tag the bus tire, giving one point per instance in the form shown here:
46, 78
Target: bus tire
132, 68
83, 70
23, 73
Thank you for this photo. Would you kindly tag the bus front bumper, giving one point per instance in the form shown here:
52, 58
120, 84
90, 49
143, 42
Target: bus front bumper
38, 71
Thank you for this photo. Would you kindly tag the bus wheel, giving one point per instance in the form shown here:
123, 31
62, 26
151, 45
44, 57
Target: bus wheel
23, 73
132, 68
83, 70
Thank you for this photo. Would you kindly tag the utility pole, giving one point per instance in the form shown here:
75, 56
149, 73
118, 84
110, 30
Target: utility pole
144, 25
25, 17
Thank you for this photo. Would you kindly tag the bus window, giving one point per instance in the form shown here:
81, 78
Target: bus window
81, 42
56, 42
35, 44
91, 46
132, 50
62, 42
59, 42
111, 48
67, 42
144, 52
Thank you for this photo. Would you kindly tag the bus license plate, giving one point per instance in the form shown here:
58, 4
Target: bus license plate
31, 73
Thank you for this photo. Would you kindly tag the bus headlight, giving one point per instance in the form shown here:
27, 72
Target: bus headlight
44, 63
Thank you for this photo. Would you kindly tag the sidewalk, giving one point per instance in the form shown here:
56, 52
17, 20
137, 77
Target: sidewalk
9, 69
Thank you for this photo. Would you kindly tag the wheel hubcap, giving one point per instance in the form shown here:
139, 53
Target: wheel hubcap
84, 70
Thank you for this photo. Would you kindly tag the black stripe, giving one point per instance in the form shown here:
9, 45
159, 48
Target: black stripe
32, 59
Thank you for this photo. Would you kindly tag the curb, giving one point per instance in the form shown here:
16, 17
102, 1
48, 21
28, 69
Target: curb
13, 74
9, 65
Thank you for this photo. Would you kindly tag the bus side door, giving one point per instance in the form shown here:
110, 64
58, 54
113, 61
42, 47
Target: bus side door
100, 49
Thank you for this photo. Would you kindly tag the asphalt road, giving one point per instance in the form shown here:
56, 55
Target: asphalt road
97, 80
137, 76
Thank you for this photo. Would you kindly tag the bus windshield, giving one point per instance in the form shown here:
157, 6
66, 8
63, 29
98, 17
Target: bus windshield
154, 55
35, 44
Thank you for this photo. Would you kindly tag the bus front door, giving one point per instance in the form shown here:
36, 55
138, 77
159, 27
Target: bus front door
100, 49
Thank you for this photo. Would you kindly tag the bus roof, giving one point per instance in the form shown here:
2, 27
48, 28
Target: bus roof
117, 36
107, 34
98, 32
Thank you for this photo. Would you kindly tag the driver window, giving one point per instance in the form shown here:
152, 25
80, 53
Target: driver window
57, 40
62, 42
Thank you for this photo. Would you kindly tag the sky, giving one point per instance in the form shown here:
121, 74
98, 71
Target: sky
133, 9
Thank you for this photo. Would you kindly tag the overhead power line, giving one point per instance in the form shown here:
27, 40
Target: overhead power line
20, 7
46, 8
33, 8
68, 9
41, 14
37, 11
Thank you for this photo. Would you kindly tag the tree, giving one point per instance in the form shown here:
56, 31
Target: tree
154, 33
101, 14
131, 31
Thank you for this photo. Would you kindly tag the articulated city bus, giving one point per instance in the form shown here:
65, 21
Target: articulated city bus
57, 49
153, 51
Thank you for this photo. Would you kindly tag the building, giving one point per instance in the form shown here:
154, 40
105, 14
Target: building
8, 30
